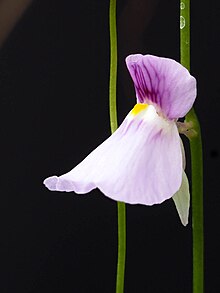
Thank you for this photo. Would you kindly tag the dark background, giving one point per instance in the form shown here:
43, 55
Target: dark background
54, 71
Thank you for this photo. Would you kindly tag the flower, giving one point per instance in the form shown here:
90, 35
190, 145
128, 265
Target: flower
143, 160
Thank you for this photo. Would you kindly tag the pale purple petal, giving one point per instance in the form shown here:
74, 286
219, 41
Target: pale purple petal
162, 82
140, 163
182, 200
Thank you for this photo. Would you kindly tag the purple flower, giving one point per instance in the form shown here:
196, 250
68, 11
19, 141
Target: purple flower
143, 160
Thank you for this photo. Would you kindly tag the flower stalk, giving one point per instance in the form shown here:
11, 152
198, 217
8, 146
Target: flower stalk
114, 125
196, 161
113, 66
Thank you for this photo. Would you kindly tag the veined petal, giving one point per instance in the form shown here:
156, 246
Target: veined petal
162, 82
141, 162
182, 200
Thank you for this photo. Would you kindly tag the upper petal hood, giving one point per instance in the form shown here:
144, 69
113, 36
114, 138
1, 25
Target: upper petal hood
140, 163
162, 82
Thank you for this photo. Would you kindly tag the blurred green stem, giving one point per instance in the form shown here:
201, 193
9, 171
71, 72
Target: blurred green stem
196, 161
113, 66
113, 122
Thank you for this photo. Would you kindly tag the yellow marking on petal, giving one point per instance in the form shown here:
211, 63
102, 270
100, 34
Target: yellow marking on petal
138, 108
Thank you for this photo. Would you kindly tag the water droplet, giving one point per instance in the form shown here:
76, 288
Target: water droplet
182, 5
182, 22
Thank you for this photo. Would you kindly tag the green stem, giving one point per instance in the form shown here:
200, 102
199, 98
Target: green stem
197, 206
196, 161
113, 66
113, 122
121, 247
185, 33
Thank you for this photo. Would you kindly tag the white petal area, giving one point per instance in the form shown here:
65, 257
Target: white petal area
182, 200
140, 163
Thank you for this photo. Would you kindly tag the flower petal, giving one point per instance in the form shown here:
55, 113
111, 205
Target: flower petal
139, 163
162, 82
182, 200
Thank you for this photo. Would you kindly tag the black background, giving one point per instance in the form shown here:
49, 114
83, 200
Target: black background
54, 71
